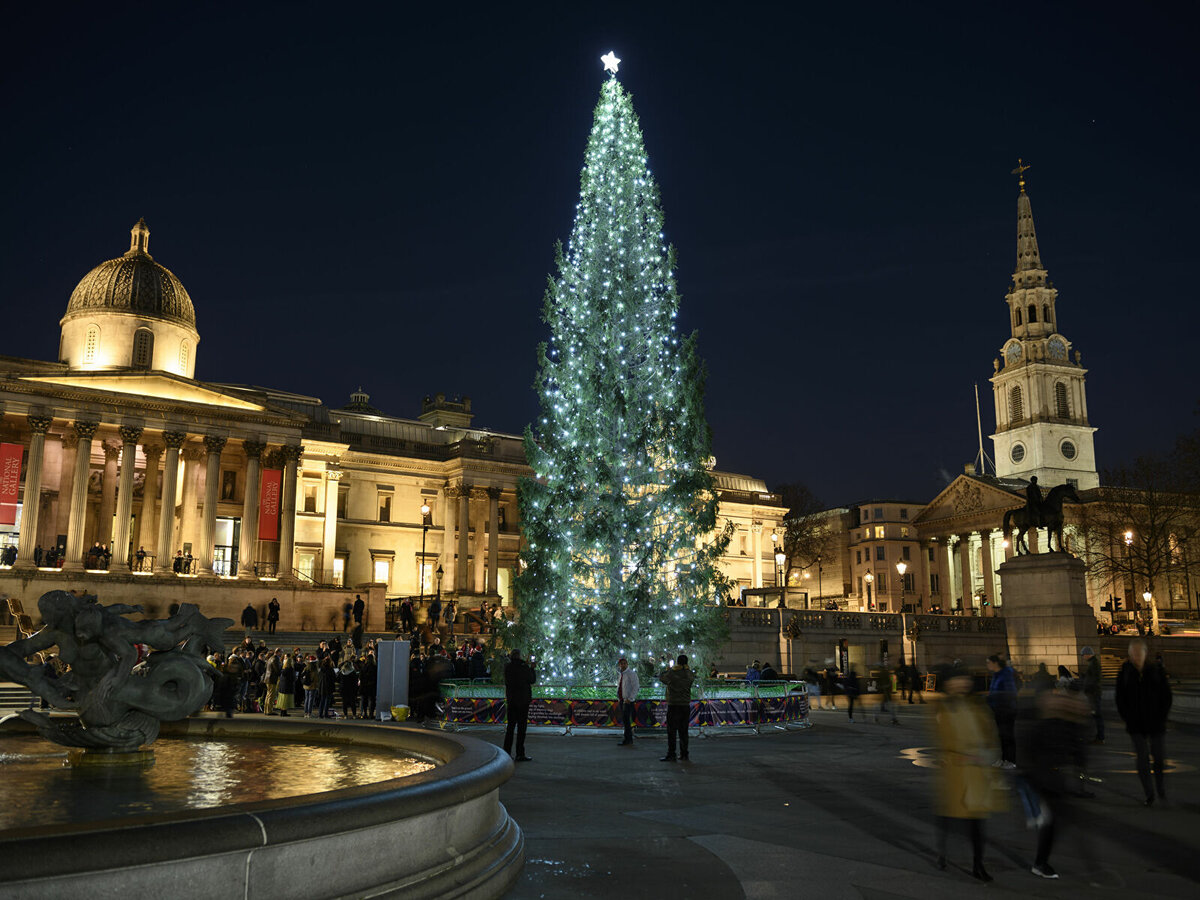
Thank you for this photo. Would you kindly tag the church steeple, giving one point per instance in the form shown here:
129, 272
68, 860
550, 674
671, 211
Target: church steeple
1042, 425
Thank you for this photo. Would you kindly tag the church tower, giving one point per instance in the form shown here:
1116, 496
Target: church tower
1042, 424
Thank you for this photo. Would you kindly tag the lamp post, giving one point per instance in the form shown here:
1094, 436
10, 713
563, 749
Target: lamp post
1153, 604
780, 562
439, 573
1129, 561
901, 567
869, 579
421, 564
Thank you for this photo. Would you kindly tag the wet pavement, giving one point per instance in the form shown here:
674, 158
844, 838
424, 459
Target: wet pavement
835, 811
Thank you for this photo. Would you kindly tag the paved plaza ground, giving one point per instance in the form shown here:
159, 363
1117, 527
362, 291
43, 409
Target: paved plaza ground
836, 811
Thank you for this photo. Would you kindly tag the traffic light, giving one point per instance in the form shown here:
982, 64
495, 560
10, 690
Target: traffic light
1117, 601
1107, 605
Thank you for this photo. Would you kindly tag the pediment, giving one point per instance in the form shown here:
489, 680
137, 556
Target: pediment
967, 496
152, 385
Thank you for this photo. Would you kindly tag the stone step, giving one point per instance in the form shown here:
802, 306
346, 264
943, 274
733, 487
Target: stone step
16, 696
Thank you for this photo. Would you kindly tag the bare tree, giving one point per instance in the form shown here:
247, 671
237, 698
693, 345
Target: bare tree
1135, 529
811, 533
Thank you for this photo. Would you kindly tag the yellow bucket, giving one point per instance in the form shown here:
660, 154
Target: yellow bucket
400, 713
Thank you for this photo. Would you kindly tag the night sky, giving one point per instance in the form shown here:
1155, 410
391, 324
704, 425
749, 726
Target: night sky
369, 194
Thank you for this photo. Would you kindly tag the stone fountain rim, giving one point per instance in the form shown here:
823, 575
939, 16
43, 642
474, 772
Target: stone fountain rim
468, 769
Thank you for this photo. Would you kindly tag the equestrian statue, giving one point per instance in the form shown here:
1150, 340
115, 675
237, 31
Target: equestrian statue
1040, 512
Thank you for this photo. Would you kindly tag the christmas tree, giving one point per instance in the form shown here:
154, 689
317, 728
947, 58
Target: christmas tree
620, 517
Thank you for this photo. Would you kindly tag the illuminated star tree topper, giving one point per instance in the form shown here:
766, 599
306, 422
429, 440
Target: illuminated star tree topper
620, 518
611, 61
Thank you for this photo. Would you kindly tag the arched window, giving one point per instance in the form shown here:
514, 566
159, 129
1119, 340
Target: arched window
1018, 314
143, 349
1045, 312
184, 352
1062, 407
1032, 313
91, 344
1016, 405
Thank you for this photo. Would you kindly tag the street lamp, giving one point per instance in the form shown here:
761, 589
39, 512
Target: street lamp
780, 562
439, 573
869, 579
421, 564
1149, 598
1129, 562
901, 567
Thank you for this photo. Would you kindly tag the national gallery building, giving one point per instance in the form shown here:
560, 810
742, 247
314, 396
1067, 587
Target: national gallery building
122, 473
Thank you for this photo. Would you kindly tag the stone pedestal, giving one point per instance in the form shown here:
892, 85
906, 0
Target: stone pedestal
1046, 610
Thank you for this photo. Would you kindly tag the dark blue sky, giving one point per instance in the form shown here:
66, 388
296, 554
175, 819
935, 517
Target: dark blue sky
367, 195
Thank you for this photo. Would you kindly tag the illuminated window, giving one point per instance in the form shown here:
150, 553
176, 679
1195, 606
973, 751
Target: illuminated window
143, 349
310, 495
185, 352
382, 571
91, 344
879, 531
339, 571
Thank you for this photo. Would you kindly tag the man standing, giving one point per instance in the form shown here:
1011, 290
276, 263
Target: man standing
358, 609
249, 618
1143, 700
519, 677
272, 615
678, 680
271, 676
628, 686
1091, 690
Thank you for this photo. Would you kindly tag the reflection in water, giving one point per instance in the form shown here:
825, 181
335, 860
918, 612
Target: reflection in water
37, 789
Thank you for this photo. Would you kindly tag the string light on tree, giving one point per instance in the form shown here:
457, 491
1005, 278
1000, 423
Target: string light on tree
620, 518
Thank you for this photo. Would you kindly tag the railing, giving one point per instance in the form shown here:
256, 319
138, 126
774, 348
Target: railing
796, 622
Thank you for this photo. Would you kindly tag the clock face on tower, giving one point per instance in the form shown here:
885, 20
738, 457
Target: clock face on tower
1056, 348
1012, 353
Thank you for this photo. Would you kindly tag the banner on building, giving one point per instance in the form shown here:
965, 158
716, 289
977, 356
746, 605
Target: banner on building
268, 504
10, 482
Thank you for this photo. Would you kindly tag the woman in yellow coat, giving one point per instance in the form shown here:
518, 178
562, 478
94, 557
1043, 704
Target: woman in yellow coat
968, 784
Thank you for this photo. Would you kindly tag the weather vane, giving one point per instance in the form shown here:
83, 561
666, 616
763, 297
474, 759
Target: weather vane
611, 61
1019, 171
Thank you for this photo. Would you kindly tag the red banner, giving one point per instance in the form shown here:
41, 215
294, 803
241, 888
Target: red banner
10, 482
268, 504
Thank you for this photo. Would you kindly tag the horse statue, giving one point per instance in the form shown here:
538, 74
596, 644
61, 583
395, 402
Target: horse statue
1048, 515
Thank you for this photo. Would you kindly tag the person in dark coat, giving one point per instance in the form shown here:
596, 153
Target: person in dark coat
272, 615
519, 677
348, 684
249, 618
851, 689
1144, 700
358, 609
1092, 689
678, 680
368, 677
326, 679
1002, 698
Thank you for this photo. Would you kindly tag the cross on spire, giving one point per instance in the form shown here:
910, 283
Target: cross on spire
1019, 171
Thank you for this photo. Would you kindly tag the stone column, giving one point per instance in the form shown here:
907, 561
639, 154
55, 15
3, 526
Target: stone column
287, 512
66, 481
214, 444
479, 544
130, 435
187, 507
31, 500
108, 493
493, 573
83, 463
449, 523
756, 549
164, 561
329, 538
248, 545
989, 573
147, 530
964, 561
464, 531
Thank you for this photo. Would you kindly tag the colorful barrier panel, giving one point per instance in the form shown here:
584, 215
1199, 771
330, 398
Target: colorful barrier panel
776, 705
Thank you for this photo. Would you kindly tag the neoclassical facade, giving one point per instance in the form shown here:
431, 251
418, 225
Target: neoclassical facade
125, 448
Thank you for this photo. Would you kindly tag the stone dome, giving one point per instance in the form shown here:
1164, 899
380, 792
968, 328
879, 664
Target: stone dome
133, 283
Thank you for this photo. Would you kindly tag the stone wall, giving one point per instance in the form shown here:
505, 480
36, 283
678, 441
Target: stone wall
301, 608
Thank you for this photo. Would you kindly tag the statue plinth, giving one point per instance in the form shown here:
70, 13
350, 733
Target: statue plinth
104, 759
1046, 610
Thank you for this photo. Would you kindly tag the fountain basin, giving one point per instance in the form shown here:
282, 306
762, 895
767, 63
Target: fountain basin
438, 833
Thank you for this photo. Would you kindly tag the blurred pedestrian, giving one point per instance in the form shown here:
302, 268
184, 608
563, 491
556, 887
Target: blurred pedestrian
886, 693
966, 791
1143, 700
1092, 690
851, 691
1002, 698
628, 686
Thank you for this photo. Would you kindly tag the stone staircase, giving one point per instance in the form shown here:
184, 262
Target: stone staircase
16, 696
